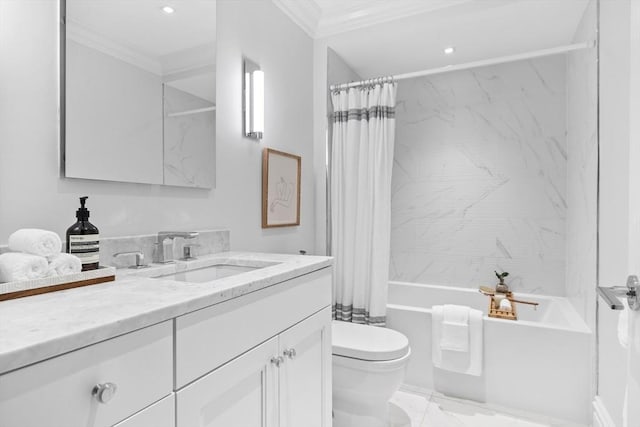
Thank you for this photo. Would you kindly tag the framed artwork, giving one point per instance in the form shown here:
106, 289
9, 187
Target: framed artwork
280, 189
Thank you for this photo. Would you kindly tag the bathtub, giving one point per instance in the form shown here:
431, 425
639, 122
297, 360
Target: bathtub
540, 363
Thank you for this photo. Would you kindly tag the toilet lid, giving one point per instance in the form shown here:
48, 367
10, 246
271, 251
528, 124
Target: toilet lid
367, 342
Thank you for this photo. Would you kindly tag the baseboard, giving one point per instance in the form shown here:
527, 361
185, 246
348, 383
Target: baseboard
601, 417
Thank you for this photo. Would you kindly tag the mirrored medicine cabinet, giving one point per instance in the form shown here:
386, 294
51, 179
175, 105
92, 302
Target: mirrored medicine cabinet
138, 96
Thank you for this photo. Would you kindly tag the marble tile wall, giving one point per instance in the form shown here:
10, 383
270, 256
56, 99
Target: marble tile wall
479, 178
209, 241
189, 140
582, 170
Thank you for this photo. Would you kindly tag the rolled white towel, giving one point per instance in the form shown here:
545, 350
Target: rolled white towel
35, 241
64, 264
505, 305
19, 266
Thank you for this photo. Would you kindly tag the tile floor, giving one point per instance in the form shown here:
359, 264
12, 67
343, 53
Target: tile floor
419, 408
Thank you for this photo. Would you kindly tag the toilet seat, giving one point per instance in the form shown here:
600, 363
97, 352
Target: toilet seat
365, 342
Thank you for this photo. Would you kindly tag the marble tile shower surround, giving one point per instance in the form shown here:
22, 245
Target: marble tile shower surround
479, 178
189, 141
582, 173
210, 241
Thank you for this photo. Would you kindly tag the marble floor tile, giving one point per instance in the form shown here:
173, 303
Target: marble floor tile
419, 408
407, 409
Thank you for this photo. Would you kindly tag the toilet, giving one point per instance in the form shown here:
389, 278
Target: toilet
368, 368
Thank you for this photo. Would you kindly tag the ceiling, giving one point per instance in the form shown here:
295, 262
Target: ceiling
140, 26
383, 37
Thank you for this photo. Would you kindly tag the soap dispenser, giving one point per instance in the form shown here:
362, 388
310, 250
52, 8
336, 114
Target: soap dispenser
83, 239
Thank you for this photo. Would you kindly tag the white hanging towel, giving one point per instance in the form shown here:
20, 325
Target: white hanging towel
623, 327
456, 339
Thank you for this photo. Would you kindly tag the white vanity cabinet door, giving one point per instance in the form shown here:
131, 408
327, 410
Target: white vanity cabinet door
242, 393
305, 375
160, 414
58, 391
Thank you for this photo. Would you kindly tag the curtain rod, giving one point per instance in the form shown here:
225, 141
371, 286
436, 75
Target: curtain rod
474, 64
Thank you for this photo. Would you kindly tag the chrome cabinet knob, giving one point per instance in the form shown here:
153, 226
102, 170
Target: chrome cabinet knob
277, 360
104, 392
290, 353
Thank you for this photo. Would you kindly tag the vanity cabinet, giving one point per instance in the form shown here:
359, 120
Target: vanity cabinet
260, 359
304, 378
241, 393
160, 414
283, 382
208, 338
96, 386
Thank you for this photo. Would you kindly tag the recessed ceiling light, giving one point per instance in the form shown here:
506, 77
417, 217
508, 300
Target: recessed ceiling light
449, 50
168, 10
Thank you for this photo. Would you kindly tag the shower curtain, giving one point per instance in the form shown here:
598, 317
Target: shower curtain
361, 163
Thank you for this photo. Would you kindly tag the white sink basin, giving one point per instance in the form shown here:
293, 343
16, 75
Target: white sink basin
207, 274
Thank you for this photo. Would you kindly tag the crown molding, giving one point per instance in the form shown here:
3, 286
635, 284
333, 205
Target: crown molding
198, 57
86, 37
320, 23
352, 18
305, 13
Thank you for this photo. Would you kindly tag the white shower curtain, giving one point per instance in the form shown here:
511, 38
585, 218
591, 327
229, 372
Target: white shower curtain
361, 163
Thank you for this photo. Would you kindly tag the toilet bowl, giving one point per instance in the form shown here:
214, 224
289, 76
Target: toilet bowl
368, 368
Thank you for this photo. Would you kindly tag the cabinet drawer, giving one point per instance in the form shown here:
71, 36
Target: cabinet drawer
160, 414
207, 338
58, 391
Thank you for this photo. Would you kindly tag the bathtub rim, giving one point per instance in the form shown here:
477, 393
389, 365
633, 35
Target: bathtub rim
575, 321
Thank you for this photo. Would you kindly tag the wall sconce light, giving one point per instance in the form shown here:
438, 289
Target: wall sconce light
253, 100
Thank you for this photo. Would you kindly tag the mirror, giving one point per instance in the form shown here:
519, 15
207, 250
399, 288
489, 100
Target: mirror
139, 92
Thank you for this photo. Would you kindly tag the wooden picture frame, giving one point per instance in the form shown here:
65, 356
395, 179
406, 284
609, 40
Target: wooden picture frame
281, 174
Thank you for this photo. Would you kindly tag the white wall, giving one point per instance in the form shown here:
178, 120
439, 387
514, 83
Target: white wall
614, 218
329, 68
338, 71
33, 195
479, 177
112, 107
320, 128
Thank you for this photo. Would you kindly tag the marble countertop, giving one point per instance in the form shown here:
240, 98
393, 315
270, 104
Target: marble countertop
36, 328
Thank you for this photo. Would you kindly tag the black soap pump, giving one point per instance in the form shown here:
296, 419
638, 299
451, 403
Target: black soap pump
83, 239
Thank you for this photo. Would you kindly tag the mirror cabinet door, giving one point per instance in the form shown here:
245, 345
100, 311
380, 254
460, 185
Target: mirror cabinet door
139, 91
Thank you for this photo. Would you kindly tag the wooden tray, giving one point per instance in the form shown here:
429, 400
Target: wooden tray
502, 314
25, 288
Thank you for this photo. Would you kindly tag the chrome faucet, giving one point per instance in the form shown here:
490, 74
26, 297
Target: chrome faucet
159, 255
139, 258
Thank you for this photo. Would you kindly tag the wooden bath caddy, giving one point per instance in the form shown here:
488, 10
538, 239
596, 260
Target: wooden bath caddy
502, 314
25, 288
495, 311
